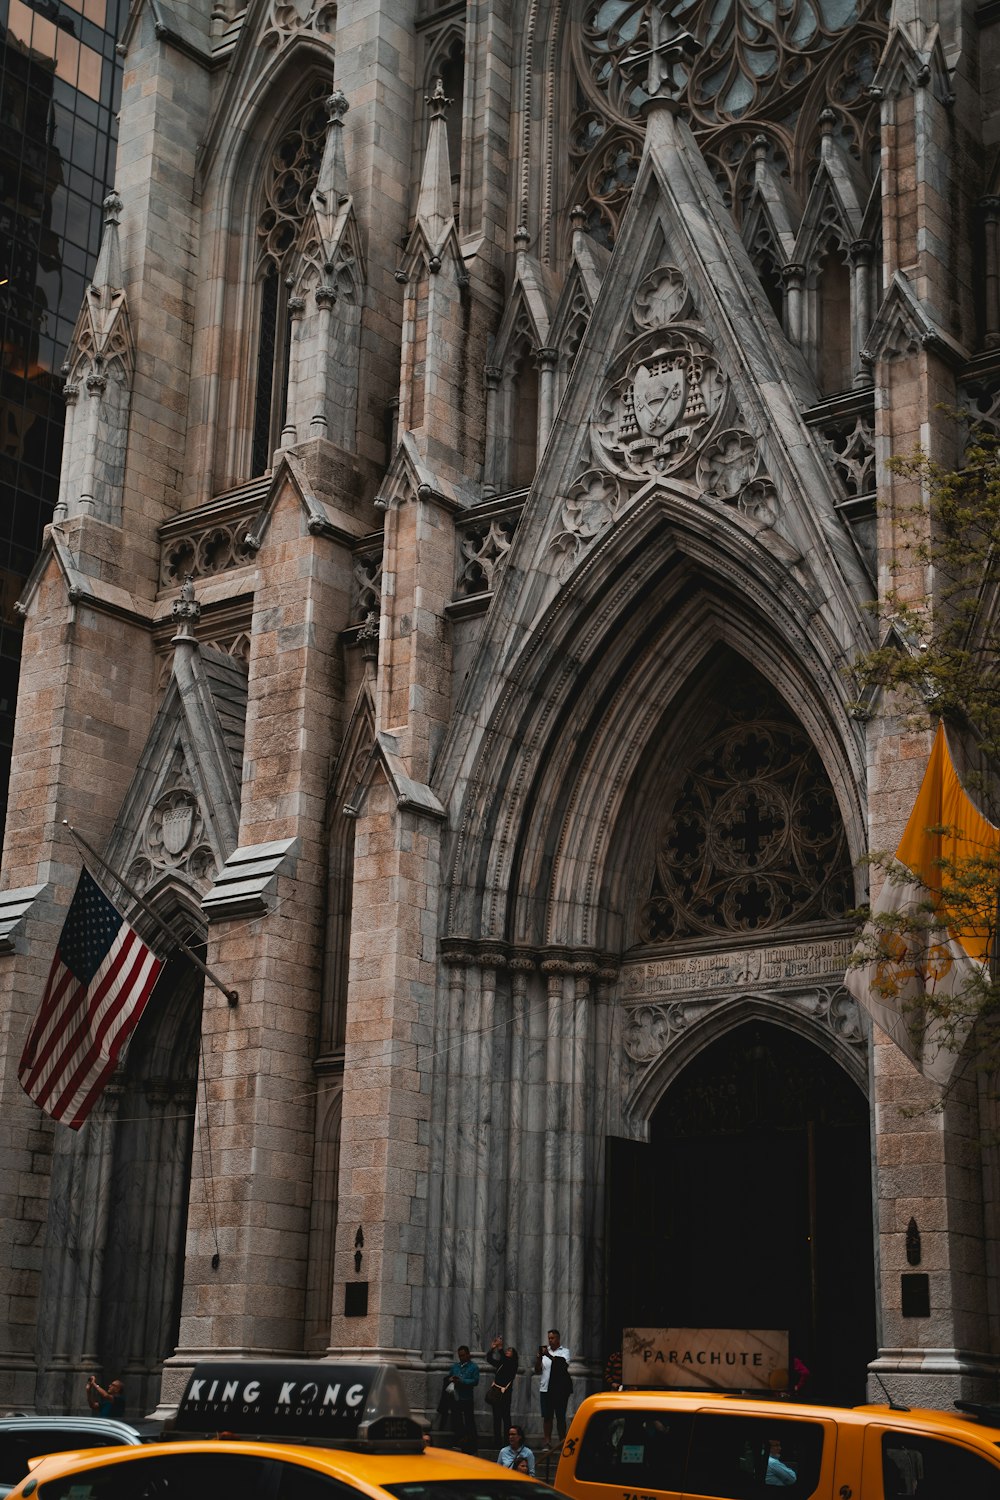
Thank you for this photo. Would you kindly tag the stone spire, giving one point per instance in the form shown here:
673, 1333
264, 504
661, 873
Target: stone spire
434, 206
332, 187
325, 302
98, 370
107, 277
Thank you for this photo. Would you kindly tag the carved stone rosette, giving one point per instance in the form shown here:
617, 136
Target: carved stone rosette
590, 507
174, 839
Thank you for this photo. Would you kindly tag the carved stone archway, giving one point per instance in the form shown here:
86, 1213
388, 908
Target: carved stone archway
745, 1199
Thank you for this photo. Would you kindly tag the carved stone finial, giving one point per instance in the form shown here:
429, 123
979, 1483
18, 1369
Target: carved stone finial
522, 239
666, 61
336, 107
186, 612
578, 218
438, 100
368, 636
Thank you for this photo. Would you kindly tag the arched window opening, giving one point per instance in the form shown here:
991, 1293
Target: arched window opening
770, 280
267, 343
750, 837
450, 68
323, 1216
333, 1023
290, 178
524, 422
572, 338
833, 290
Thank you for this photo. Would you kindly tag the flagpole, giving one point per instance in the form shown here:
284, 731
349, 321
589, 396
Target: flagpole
231, 995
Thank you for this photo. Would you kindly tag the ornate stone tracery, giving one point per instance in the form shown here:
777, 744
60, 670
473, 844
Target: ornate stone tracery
175, 837
483, 548
761, 73
291, 178
650, 1030
366, 587
666, 410
753, 840
287, 19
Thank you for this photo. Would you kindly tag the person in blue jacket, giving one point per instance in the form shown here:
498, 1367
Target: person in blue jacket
465, 1375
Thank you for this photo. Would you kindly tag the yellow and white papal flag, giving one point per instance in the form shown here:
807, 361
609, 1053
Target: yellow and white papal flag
917, 976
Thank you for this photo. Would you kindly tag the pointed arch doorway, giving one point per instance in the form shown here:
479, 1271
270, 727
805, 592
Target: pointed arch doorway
750, 1206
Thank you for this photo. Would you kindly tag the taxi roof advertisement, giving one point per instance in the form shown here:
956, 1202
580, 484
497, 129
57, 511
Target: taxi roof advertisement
308, 1399
719, 1359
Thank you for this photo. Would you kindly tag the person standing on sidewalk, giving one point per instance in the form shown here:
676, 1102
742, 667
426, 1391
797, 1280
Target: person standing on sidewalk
465, 1373
555, 1385
503, 1361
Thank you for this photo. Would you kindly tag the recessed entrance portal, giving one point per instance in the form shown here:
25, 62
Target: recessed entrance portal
751, 1207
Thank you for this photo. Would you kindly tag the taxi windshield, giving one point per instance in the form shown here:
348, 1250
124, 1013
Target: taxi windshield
473, 1489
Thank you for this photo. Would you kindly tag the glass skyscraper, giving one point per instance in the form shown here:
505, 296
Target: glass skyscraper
60, 80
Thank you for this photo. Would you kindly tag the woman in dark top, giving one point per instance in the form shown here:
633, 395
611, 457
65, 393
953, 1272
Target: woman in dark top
503, 1360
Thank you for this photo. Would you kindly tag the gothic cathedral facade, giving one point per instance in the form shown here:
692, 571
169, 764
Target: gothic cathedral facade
474, 493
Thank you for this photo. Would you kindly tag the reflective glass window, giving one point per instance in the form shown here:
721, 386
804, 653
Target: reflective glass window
635, 1450
736, 1457
934, 1469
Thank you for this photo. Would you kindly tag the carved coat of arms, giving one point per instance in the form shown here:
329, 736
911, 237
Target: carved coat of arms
655, 417
176, 827
659, 392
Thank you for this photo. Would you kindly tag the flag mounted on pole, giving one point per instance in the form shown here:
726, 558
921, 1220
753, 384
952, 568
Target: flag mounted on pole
924, 958
100, 980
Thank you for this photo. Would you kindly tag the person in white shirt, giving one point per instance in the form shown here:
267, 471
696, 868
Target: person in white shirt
554, 1386
778, 1471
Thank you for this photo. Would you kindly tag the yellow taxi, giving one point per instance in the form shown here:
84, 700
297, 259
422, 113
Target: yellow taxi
659, 1445
282, 1430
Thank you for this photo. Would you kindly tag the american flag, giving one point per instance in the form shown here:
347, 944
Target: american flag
101, 977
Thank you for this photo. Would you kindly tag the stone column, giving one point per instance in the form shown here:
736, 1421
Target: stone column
248, 1228
487, 1228
493, 471
376, 60
793, 278
96, 384
517, 1107
296, 306
325, 299
990, 210
71, 396
861, 253
444, 1156
546, 358
558, 1144
579, 1147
